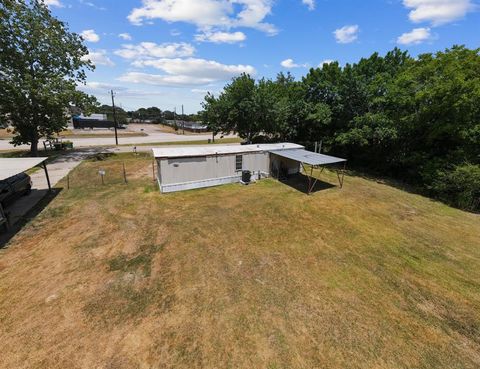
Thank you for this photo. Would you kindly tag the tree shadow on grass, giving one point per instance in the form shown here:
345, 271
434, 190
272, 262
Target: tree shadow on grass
21, 220
300, 183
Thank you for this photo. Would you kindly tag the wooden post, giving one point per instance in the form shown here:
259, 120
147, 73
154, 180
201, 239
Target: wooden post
153, 170
68, 181
46, 175
124, 173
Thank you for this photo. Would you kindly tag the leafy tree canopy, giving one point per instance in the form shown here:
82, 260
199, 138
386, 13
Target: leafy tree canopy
41, 64
415, 119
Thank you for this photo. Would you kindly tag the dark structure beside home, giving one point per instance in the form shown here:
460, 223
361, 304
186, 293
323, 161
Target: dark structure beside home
93, 121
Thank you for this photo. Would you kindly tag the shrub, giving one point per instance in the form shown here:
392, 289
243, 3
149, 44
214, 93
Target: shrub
459, 187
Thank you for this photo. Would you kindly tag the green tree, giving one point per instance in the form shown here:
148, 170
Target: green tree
41, 63
236, 109
415, 119
212, 114
120, 114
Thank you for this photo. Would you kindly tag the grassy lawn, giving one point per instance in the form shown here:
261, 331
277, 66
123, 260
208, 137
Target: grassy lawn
263, 276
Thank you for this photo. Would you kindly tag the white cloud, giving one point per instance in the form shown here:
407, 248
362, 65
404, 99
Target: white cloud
289, 63
99, 57
56, 3
200, 91
326, 61
102, 88
438, 12
207, 14
145, 50
221, 37
198, 68
346, 34
185, 72
125, 36
95, 87
162, 80
90, 35
92, 5
309, 3
416, 36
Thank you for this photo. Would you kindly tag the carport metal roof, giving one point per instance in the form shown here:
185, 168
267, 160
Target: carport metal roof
308, 157
12, 166
315, 160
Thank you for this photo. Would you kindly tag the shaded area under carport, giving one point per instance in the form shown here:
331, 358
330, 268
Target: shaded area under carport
297, 181
314, 161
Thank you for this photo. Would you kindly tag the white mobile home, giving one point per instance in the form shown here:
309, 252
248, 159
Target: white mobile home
190, 167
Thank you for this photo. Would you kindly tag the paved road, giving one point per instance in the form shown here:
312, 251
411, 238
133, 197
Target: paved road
153, 137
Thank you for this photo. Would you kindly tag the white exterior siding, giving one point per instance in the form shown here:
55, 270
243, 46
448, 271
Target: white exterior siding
178, 174
197, 171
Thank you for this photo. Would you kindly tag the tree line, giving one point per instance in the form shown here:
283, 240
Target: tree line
415, 119
151, 114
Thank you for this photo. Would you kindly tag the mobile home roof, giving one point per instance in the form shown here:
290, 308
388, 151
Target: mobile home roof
211, 150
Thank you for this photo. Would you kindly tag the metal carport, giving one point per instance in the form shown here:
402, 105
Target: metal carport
13, 166
315, 160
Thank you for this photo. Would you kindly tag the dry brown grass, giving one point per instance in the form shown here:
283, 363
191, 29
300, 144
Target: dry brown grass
5, 133
262, 276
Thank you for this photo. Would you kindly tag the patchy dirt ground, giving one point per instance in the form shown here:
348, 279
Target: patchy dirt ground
119, 276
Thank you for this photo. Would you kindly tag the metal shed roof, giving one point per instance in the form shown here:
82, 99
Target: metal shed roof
210, 150
12, 166
308, 157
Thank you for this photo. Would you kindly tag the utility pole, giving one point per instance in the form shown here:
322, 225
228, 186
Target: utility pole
114, 117
183, 122
175, 118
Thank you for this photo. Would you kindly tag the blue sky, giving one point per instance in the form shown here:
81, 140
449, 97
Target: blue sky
167, 53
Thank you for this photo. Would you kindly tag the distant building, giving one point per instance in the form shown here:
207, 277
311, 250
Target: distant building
189, 126
92, 117
93, 121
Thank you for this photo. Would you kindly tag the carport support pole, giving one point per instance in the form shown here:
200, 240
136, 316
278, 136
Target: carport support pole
309, 178
46, 175
340, 178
